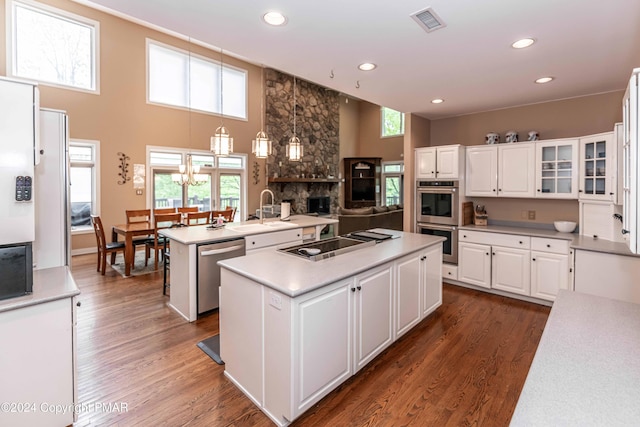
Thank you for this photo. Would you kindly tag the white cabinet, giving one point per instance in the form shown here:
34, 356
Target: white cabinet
523, 265
482, 171
557, 169
265, 240
598, 163
37, 363
630, 141
510, 270
431, 277
597, 220
607, 275
505, 170
373, 318
418, 290
474, 264
441, 162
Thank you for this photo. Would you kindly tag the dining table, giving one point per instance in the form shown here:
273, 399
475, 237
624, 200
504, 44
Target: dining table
129, 231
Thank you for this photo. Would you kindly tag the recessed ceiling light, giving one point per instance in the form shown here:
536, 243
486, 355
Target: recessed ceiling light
274, 18
544, 80
522, 43
437, 101
367, 66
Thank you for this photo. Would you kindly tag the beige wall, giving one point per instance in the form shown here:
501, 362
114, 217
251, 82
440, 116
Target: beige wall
417, 134
349, 134
122, 121
371, 144
558, 119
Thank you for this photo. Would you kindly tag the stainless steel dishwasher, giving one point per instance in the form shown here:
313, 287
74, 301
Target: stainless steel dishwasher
209, 270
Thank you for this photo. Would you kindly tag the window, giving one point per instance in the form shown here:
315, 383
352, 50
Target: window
392, 122
392, 182
53, 46
224, 182
181, 79
84, 179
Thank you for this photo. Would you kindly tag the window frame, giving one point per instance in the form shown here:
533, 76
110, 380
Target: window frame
95, 190
214, 170
150, 41
382, 116
62, 14
400, 175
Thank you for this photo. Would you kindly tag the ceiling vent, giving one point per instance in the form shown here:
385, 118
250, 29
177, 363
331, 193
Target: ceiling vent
428, 20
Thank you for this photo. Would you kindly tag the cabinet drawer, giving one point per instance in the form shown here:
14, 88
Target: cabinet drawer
494, 239
449, 271
270, 239
556, 246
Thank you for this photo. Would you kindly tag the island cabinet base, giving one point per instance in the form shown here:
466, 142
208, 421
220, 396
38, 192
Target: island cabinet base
286, 353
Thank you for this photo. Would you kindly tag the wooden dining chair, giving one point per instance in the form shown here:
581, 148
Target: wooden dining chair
157, 243
233, 214
227, 214
136, 216
104, 248
188, 209
196, 218
157, 211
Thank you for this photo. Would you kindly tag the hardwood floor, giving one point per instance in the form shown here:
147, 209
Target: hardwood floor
464, 365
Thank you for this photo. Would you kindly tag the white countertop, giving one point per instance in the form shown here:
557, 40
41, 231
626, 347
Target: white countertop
578, 241
586, 370
295, 276
49, 284
201, 234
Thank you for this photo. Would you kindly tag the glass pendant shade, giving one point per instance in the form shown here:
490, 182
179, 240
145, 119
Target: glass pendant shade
261, 146
294, 149
221, 142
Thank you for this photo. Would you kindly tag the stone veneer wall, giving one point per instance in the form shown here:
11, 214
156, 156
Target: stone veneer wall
317, 127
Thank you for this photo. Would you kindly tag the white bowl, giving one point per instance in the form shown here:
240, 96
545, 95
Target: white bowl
565, 226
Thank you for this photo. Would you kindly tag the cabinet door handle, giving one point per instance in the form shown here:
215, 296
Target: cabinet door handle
625, 231
353, 289
548, 246
533, 259
359, 288
538, 190
499, 189
494, 190
611, 194
78, 304
493, 253
579, 191
464, 235
487, 253
571, 270
520, 242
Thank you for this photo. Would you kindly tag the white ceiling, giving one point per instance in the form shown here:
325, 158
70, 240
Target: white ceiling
589, 47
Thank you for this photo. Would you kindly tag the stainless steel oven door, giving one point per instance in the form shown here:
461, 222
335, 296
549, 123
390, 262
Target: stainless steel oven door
449, 246
437, 205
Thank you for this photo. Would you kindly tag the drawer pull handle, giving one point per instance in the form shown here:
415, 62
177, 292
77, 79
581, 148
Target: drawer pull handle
548, 246
449, 273
520, 242
494, 190
464, 235
533, 259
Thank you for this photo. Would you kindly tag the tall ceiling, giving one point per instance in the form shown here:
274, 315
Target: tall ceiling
589, 47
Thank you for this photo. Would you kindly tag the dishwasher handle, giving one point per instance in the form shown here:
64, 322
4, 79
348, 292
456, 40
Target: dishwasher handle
221, 251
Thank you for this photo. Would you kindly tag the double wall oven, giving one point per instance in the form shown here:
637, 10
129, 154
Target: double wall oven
437, 204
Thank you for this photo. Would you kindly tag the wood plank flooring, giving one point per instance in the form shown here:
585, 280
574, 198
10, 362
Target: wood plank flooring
464, 365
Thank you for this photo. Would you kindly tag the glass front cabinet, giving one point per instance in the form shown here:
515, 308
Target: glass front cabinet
597, 167
556, 169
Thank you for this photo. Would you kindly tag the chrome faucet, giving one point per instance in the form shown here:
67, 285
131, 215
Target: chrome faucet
266, 190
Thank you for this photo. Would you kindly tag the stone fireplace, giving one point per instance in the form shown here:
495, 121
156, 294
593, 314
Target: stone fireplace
317, 126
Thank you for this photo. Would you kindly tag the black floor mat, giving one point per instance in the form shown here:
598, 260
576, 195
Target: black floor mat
211, 346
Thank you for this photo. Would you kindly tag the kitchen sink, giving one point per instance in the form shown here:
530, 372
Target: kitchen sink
267, 226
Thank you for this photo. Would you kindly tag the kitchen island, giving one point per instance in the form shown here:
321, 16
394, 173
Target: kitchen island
292, 330
585, 371
185, 240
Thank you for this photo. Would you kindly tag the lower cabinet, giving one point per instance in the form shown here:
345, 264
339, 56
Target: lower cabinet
294, 351
522, 265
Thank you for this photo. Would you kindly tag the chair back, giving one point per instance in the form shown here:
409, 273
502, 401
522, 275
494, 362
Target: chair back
167, 220
99, 230
194, 218
227, 214
138, 215
163, 211
188, 209
233, 214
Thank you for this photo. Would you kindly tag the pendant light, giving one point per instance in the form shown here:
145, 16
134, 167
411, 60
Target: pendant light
221, 142
294, 147
261, 146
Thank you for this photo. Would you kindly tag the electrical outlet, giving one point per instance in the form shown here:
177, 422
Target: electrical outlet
532, 214
139, 192
275, 300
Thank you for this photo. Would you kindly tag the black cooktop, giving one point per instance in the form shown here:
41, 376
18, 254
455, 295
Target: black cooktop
328, 248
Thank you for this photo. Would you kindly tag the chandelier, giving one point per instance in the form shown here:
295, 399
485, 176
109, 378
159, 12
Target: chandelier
221, 142
189, 174
261, 146
294, 147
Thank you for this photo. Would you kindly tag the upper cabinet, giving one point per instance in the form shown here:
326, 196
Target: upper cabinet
443, 162
557, 169
598, 168
362, 182
500, 170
